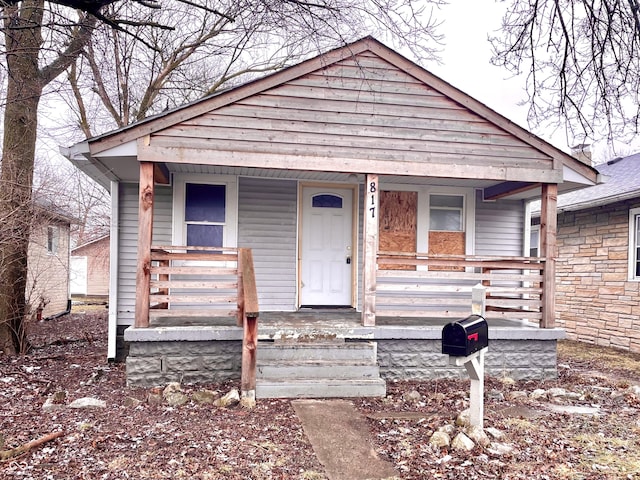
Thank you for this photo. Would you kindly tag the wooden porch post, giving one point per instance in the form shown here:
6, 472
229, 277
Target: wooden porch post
548, 249
145, 231
370, 250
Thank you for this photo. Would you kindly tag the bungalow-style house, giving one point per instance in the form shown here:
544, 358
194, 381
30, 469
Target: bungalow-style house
598, 267
90, 268
364, 195
47, 291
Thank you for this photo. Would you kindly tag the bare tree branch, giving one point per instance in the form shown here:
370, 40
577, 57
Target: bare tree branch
582, 62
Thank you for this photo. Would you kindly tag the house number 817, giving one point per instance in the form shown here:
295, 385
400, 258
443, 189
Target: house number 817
373, 189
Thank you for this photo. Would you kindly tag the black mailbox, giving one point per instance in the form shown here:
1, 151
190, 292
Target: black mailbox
464, 337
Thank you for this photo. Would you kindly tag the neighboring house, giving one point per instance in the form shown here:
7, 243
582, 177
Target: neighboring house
598, 268
373, 196
90, 268
47, 292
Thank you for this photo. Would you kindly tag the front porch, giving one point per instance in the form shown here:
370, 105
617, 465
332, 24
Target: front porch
197, 319
204, 350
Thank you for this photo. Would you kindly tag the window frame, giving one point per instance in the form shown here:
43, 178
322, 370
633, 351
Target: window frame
462, 210
534, 230
230, 225
53, 239
634, 244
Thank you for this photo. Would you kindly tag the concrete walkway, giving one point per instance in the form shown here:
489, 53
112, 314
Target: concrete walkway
339, 435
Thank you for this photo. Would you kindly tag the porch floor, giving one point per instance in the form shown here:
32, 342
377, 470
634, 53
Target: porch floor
316, 323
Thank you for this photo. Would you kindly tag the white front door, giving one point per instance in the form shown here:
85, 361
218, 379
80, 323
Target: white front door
326, 247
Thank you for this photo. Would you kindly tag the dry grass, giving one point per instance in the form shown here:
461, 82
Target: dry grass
83, 304
613, 359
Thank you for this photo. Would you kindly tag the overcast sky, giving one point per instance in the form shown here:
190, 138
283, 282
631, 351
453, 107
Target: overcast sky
466, 62
466, 65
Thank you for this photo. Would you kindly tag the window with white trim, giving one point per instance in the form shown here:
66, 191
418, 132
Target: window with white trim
447, 235
634, 244
205, 211
446, 213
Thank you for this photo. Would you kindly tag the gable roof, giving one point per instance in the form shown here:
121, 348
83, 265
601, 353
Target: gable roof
91, 243
621, 182
48, 209
144, 130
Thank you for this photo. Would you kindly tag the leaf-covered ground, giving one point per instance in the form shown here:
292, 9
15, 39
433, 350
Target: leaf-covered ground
584, 425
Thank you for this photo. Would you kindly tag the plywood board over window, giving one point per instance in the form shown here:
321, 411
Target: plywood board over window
398, 224
446, 227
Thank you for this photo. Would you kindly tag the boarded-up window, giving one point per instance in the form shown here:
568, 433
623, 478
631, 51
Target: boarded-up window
446, 226
398, 224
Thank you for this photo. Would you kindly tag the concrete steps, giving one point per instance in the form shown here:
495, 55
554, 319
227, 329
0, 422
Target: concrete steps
318, 370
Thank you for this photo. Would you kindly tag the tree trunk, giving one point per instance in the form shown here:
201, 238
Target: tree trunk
24, 87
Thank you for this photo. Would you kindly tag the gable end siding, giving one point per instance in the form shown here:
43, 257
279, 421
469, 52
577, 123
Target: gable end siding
362, 109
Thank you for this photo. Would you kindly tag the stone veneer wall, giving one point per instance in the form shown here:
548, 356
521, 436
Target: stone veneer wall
158, 363
595, 302
422, 360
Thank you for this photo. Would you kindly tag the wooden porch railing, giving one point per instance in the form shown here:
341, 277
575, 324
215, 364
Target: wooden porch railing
208, 282
439, 286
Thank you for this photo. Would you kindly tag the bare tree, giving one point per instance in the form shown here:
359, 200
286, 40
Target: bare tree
583, 63
118, 80
66, 189
44, 39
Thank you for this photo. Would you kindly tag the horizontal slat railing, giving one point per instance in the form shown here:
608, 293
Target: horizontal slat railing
438, 286
208, 282
193, 281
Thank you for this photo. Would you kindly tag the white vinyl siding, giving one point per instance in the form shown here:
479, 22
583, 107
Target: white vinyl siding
128, 242
499, 227
267, 222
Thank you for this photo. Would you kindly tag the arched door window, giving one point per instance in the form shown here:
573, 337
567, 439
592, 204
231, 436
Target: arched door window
326, 200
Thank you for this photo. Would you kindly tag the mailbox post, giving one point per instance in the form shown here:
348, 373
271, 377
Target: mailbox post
466, 341
474, 364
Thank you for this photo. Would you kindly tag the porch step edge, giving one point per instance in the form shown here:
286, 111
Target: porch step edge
324, 371
346, 352
334, 388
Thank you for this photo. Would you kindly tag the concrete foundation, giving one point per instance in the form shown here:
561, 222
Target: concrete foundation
206, 354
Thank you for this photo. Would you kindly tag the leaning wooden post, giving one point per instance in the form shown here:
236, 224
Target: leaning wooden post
250, 324
370, 250
548, 247
145, 233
